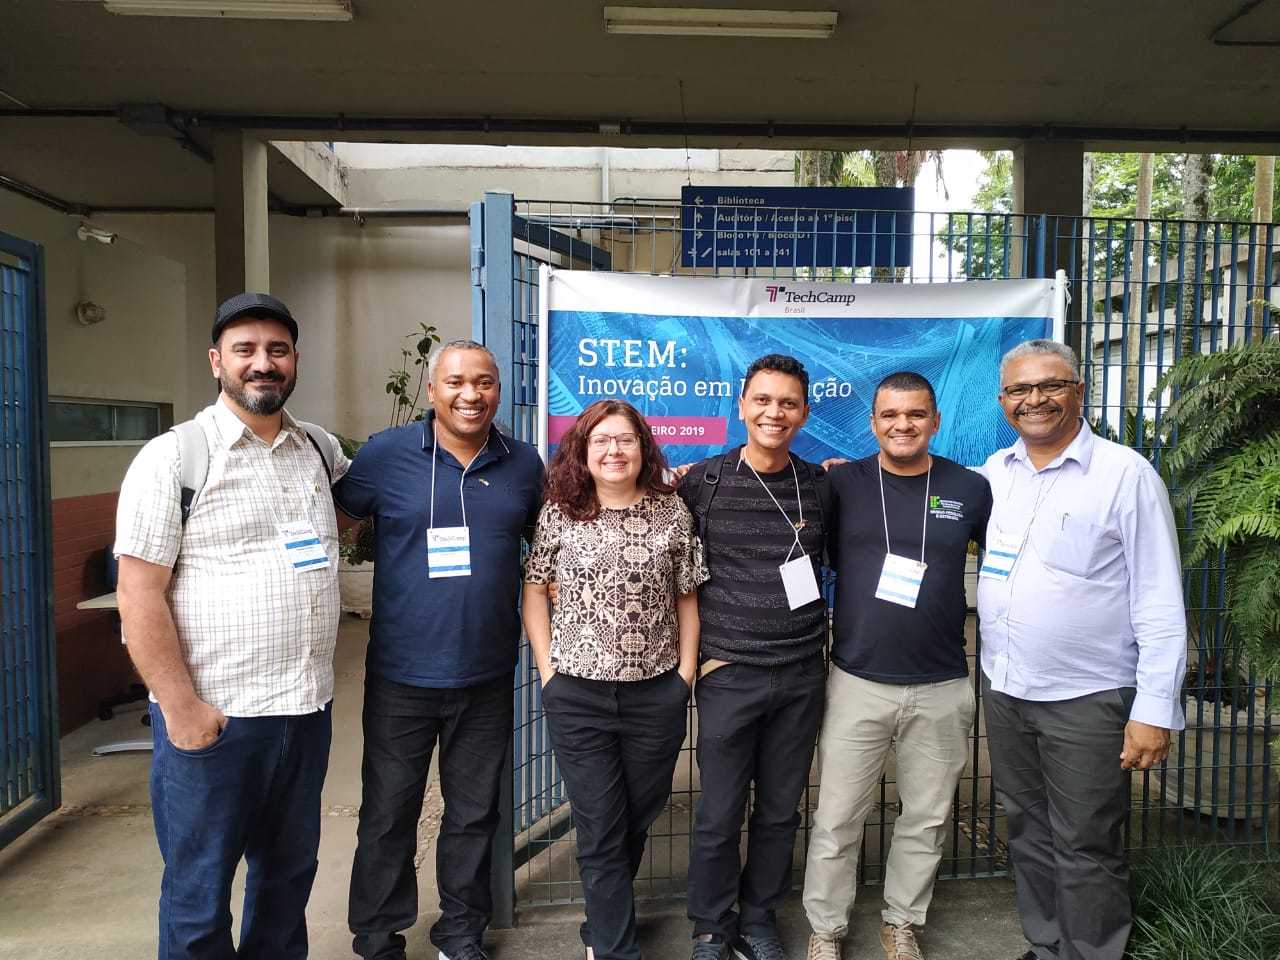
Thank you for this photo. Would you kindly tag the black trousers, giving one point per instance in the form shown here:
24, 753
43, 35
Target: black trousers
755, 725
402, 725
1056, 768
616, 745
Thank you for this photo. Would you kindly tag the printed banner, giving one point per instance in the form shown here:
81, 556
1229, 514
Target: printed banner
678, 347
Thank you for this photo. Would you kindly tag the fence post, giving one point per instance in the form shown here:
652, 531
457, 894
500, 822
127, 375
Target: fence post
498, 319
492, 265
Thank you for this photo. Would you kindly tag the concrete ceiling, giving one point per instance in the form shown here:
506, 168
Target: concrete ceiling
1163, 74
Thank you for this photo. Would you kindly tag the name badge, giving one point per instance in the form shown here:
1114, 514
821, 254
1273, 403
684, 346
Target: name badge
302, 546
1001, 555
799, 581
900, 580
448, 552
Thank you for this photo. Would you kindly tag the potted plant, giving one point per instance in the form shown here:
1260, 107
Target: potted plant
356, 545
1221, 457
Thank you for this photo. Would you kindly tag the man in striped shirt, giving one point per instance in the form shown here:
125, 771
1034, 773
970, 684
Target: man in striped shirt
762, 672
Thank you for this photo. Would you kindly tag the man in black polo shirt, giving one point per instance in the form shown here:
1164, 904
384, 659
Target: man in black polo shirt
762, 673
901, 677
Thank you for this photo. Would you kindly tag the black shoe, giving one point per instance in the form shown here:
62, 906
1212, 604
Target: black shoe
758, 948
712, 948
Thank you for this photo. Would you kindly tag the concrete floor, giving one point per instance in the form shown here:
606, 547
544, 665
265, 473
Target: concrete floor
82, 885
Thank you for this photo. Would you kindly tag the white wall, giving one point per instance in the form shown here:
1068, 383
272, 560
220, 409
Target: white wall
417, 175
356, 288
134, 354
357, 291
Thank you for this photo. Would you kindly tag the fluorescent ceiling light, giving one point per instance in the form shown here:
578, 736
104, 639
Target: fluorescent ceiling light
235, 9
701, 22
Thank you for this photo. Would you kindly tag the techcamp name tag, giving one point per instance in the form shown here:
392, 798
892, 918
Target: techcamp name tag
1002, 554
448, 552
900, 580
302, 546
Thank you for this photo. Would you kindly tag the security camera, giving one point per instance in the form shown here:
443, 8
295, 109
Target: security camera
86, 232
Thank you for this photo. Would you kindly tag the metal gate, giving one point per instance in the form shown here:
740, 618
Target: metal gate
1132, 314
29, 781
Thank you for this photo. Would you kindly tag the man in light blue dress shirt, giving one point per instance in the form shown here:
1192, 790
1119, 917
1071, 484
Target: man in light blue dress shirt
1083, 651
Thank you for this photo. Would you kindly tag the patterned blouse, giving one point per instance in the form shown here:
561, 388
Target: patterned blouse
619, 577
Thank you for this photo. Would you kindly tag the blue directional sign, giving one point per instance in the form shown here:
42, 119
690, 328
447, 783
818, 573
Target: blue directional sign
725, 227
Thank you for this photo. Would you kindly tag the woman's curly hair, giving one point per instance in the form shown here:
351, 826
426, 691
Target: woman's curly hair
569, 484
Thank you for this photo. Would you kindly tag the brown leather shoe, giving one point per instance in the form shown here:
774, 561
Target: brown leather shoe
899, 942
823, 946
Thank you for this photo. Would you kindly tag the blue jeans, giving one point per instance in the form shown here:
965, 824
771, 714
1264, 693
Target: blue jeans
616, 744
755, 725
402, 725
252, 793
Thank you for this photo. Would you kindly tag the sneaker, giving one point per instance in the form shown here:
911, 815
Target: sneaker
823, 946
899, 942
709, 946
471, 950
758, 948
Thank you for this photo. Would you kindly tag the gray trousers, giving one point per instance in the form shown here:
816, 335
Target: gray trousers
1056, 767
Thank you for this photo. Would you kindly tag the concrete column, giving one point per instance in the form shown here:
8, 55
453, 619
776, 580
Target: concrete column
1048, 178
242, 259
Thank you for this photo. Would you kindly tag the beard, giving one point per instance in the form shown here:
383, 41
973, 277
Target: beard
260, 402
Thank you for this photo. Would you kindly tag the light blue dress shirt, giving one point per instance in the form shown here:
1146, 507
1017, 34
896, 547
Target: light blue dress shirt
1094, 599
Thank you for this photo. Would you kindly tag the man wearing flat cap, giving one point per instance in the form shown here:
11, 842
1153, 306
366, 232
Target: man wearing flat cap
228, 597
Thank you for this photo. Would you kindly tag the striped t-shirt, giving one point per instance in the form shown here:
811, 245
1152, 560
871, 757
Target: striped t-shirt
743, 607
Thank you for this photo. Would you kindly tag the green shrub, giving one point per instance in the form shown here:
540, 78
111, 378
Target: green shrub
1195, 902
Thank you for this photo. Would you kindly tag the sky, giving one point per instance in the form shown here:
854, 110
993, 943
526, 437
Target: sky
961, 169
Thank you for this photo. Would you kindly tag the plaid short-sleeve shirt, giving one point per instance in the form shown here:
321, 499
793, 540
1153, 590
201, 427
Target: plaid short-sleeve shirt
257, 636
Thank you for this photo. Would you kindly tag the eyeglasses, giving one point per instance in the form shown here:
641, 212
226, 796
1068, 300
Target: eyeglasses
1047, 388
625, 441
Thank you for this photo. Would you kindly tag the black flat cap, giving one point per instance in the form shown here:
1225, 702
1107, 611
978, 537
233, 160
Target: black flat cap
253, 305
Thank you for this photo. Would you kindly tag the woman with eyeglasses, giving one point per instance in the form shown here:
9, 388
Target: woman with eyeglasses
618, 655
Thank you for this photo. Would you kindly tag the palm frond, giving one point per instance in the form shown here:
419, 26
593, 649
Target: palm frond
1221, 458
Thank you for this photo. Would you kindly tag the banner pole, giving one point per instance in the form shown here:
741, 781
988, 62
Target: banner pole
544, 362
1060, 285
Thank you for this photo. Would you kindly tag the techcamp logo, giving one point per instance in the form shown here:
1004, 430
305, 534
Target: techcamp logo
780, 294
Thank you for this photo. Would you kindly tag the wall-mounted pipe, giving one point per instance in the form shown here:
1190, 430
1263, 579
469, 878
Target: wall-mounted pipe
435, 213
675, 131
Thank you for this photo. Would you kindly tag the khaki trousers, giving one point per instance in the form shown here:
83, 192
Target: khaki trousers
928, 726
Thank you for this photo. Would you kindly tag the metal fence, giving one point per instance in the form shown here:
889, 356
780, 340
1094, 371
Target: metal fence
1142, 294
29, 786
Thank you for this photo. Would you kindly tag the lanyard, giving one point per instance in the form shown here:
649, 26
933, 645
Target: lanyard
435, 445
795, 526
884, 513
1044, 492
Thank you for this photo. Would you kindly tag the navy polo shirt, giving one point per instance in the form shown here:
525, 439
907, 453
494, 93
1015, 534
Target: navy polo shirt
450, 631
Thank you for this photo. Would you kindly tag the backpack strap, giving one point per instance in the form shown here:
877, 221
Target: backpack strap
818, 477
193, 460
707, 491
822, 487
319, 438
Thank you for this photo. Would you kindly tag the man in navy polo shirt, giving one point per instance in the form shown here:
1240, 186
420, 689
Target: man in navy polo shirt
451, 498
